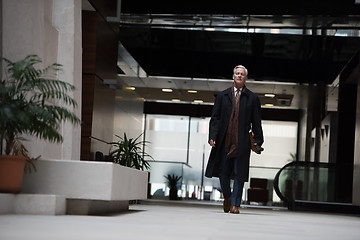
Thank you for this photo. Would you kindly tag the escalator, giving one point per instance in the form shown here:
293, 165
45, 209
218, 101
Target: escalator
310, 186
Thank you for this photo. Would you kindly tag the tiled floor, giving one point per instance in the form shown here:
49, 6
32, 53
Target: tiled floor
157, 220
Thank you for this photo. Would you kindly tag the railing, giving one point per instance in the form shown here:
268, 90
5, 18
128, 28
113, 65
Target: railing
306, 181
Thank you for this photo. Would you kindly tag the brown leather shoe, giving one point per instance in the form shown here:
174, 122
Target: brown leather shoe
226, 204
234, 209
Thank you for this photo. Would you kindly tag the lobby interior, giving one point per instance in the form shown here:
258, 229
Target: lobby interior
155, 67
173, 58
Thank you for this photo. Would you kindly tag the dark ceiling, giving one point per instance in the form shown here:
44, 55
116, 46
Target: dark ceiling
203, 54
264, 7
160, 36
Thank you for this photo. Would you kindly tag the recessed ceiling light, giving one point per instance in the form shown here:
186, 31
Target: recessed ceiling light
271, 95
166, 90
198, 101
192, 91
175, 100
130, 88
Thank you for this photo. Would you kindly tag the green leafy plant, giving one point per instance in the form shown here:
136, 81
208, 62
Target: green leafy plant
292, 157
172, 182
19, 149
128, 152
33, 102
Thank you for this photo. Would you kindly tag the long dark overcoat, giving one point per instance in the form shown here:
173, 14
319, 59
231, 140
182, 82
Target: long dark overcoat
249, 117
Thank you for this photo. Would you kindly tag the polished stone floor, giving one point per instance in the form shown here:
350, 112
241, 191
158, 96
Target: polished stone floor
163, 220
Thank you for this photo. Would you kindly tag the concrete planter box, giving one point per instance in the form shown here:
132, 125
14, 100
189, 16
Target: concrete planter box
87, 183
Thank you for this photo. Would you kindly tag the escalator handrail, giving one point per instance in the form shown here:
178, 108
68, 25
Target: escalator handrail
276, 183
288, 201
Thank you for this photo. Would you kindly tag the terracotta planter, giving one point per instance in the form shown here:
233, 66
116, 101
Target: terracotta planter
11, 173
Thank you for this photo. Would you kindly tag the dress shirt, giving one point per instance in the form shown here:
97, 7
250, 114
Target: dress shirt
235, 90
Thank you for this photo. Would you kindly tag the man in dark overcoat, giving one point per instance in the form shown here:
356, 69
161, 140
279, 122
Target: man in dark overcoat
236, 111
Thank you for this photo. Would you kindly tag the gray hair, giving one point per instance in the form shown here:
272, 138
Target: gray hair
241, 66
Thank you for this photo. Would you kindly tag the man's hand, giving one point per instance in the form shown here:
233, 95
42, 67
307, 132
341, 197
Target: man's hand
212, 142
258, 149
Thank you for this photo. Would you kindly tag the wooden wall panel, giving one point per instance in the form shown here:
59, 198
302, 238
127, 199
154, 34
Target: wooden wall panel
89, 28
106, 50
100, 50
87, 114
107, 7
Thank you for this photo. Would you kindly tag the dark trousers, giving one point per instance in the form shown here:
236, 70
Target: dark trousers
229, 166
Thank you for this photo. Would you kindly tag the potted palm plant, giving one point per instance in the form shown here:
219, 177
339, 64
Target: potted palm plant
128, 152
32, 102
172, 182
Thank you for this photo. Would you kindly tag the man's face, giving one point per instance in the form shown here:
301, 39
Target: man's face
239, 77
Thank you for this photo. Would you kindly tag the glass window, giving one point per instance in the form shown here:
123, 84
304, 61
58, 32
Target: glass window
179, 146
199, 151
280, 141
168, 137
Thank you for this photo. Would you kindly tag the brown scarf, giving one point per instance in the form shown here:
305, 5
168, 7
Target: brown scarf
231, 141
